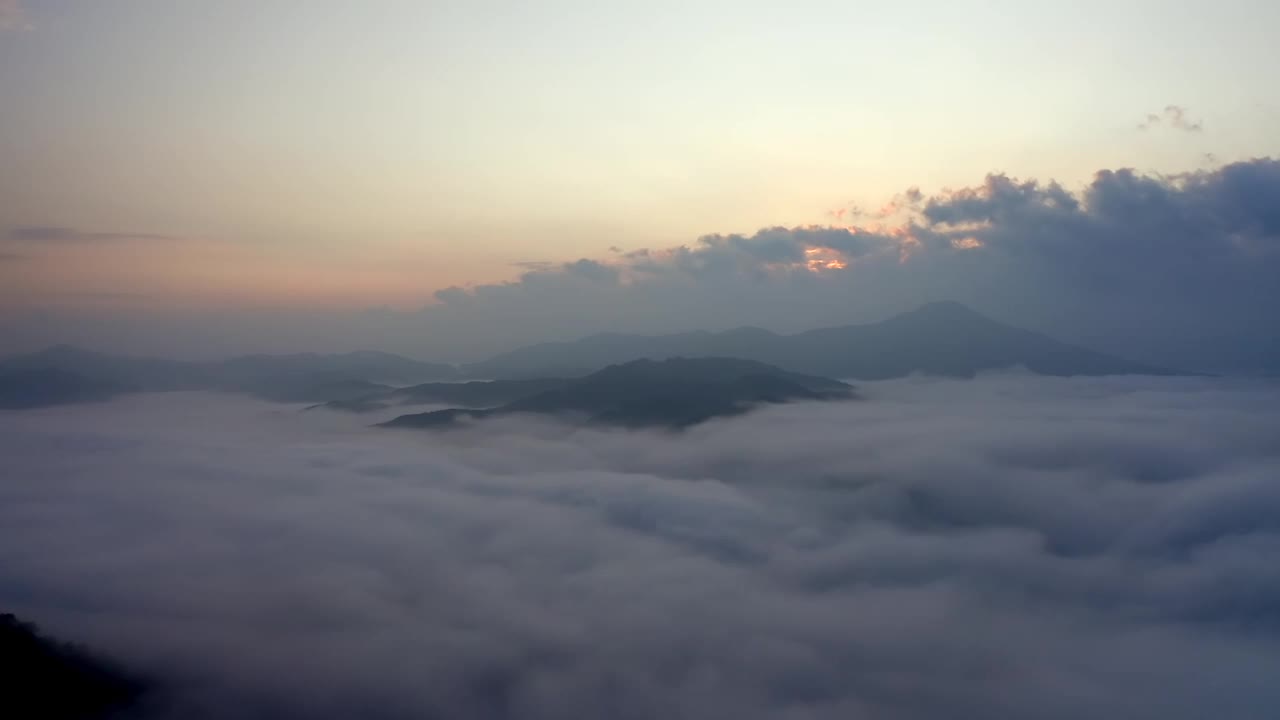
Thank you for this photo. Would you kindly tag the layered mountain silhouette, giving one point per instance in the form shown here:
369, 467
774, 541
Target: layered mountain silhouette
944, 338
674, 393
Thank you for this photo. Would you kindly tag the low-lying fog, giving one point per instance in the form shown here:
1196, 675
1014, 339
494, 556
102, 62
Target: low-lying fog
1010, 547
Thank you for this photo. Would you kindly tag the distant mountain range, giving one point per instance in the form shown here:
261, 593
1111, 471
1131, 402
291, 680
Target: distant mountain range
673, 393
23, 389
946, 339
64, 374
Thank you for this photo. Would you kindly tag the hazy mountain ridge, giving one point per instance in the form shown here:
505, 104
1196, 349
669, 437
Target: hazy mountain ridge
27, 388
64, 374
674, 393
943, 338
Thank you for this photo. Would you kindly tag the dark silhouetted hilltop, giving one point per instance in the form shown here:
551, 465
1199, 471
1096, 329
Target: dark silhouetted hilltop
51, 680
675, 393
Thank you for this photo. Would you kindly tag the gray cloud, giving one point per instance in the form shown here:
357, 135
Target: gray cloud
1010, 547
54, 234
1173, 116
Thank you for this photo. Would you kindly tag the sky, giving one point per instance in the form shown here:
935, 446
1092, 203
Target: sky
200, 179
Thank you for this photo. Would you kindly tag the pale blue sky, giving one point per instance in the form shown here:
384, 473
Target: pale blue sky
365, 153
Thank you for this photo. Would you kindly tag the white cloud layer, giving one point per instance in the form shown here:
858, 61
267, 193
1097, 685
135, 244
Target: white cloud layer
1008, 547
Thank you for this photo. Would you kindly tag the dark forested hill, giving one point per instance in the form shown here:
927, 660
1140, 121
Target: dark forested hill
676, 392
50, 680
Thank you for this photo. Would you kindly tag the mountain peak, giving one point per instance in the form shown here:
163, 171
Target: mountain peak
943, 315
948, 309
747, 332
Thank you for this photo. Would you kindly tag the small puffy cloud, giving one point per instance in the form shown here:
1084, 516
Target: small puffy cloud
1173, 116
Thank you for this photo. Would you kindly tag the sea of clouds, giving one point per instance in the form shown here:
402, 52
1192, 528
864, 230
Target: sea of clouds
1011, 547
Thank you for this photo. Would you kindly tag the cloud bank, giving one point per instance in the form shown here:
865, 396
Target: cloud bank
1009, 547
